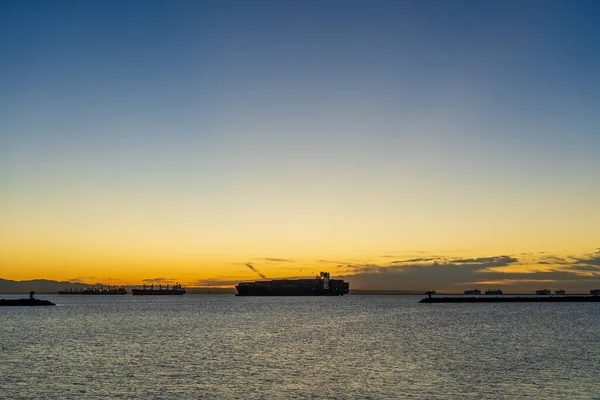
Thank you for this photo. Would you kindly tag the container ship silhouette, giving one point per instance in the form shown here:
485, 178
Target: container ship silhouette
321, 285
108, 290
175, 290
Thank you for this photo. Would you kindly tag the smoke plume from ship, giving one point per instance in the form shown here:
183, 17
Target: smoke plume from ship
255, 270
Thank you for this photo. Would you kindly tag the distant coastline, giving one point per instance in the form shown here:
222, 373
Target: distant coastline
46, 286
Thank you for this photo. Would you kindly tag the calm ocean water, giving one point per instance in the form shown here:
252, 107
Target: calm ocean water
351, 347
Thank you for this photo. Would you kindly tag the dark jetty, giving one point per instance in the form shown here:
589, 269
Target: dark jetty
515, 299
25, 302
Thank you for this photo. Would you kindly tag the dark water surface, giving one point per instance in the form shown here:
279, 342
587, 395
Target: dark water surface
358, 347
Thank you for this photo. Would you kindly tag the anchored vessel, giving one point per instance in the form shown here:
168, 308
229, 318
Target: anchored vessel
474, 291
94, 290
175, 290
543, 291
321, 285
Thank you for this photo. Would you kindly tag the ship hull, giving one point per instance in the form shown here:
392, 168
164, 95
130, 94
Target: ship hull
286, 287
275, 292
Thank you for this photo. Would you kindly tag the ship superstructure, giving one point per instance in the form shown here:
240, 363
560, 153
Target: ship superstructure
175, 290
102, 290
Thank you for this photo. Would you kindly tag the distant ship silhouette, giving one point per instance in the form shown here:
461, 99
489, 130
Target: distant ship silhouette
175, 290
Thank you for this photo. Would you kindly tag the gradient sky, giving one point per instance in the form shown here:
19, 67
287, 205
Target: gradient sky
182, 140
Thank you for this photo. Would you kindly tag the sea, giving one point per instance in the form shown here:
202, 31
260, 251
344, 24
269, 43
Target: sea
350, 347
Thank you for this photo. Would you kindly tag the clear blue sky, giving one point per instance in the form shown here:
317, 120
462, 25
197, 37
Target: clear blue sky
344, 114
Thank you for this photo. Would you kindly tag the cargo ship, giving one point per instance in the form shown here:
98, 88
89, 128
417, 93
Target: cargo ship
474, 291
321, 285
175, 290
543, 292
108, 290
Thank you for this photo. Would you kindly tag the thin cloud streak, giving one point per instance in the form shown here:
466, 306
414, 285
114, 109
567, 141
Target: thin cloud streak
160, 280
212, 282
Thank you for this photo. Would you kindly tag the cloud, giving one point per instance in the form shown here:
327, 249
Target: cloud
211, 282
83, 279
331, 262
413, 260
160, 280
486, 262
589, 259
553, 260
278, 260
457, 273
358, 268
593, 268
512, 281
475, 263
448, 277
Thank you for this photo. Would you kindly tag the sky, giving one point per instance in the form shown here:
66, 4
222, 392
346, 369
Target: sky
396, 144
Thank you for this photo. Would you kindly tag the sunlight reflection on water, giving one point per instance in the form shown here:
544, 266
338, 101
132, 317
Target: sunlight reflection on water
220, 346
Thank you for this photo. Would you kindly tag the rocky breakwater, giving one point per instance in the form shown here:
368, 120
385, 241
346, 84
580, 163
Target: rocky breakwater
31, 301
